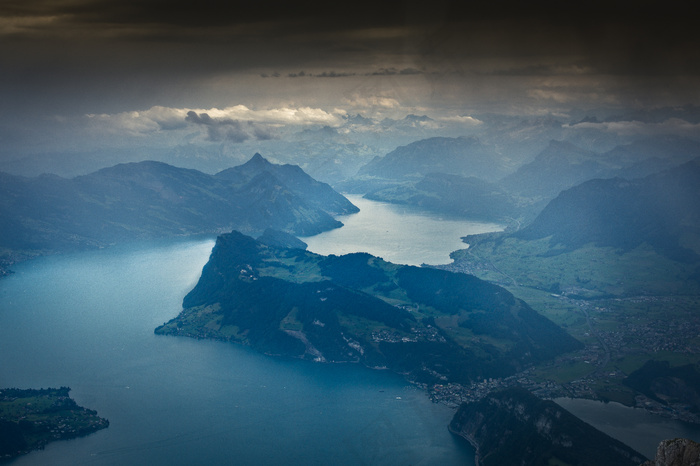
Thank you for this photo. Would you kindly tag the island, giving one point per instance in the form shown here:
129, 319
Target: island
31, 418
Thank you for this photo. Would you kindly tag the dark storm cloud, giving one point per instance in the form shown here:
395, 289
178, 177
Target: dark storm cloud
619, 37
304, 74
207, 14
334, 74
226, 129
393, 71
262, 133
200, 119
72, 57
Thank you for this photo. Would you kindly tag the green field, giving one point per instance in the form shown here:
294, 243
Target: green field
627, 307
29, 419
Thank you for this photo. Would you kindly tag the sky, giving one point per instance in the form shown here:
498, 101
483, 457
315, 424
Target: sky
89, 75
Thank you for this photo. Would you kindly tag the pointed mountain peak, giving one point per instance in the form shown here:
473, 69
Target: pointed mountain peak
244, 173
258, 160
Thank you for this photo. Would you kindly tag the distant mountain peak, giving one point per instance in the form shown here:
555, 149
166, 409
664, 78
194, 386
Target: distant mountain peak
466, 156
565, 150
260, 173
156, 200
257, 161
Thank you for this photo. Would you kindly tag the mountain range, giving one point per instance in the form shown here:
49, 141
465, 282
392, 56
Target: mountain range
604, 236
562, 165
454, 195
660, 210
466, 156
473, 179
155, 200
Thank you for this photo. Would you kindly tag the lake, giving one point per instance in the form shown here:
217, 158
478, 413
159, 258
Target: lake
398, 234
86, 321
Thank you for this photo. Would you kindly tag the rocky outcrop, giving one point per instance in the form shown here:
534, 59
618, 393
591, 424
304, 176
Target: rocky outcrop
515, 427
676, 452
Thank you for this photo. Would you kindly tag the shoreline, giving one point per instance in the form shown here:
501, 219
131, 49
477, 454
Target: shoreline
30, 419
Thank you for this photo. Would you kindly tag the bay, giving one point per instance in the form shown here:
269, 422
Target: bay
398, 234
86, 321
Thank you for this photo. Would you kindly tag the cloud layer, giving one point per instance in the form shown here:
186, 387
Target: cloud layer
249, 70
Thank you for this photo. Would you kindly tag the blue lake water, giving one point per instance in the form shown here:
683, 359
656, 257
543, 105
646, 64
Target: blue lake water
398, 234
86, 321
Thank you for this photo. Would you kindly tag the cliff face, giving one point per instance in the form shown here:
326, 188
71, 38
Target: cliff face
515, 427
676, 452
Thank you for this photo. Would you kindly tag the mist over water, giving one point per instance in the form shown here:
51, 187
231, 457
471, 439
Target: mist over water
86, 321
398, 234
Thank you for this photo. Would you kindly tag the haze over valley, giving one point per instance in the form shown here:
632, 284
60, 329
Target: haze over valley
521, 192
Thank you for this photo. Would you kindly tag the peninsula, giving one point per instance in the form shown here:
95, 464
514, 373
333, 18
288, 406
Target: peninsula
430, 325
29, 419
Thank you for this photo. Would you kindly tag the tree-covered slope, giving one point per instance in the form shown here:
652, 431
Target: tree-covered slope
429, 324
155, 200
455, 195
668, 385
462, 156
661, 210
515, 427
603, 237
29, 419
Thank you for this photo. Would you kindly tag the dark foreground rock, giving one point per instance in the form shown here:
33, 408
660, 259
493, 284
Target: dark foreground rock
515, 427
676, 452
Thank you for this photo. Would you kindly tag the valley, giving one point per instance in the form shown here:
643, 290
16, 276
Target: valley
573, 299
630, 296
378, 233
